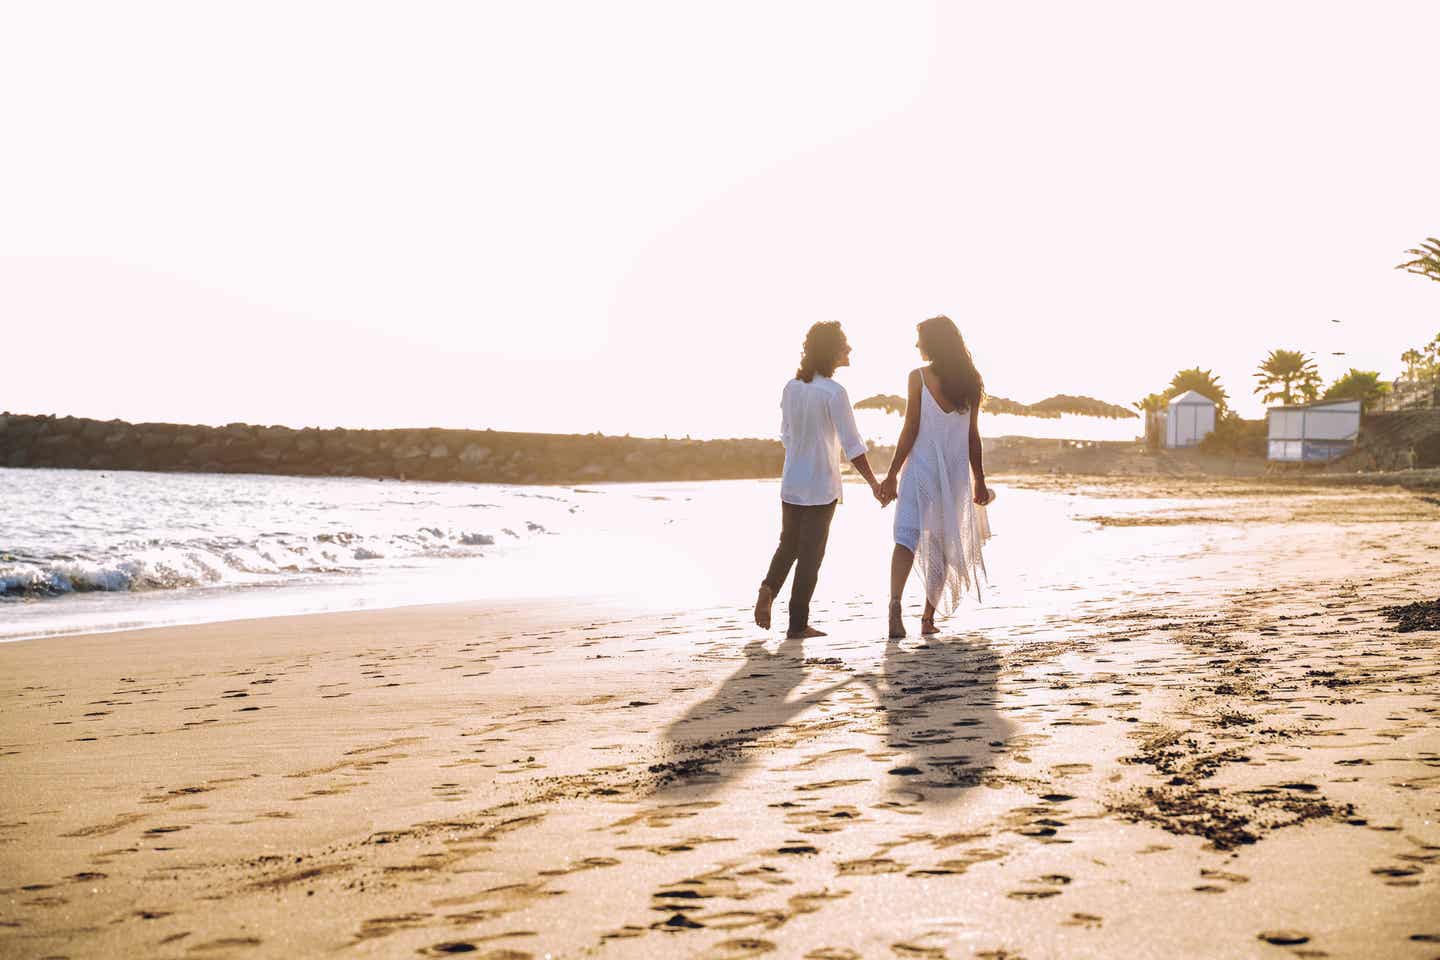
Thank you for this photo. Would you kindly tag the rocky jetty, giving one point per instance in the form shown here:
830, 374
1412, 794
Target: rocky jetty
491, 456
422, 454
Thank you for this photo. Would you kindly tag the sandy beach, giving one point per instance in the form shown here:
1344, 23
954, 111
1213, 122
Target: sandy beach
1248, 771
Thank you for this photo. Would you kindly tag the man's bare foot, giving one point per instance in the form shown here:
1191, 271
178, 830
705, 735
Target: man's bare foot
763, 600
897, 622
805, 634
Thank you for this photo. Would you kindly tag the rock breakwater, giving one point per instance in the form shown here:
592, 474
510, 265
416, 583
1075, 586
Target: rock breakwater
486, 456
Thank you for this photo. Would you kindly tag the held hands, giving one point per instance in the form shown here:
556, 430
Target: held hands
885, 491
982, 492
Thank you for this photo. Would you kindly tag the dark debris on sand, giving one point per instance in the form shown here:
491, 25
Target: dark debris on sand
699, 762
1409, 617
1227, 820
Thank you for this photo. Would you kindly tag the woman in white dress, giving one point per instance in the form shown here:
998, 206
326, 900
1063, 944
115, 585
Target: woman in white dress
940, 521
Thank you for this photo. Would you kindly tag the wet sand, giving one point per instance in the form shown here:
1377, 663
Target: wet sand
1254, 773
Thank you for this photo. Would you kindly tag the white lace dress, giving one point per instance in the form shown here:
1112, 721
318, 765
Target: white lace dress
936, 516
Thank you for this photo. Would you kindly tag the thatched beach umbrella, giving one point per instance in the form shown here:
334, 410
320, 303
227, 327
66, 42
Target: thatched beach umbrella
883, 401
1051, 408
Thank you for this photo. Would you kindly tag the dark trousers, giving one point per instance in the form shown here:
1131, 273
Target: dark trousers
803, 532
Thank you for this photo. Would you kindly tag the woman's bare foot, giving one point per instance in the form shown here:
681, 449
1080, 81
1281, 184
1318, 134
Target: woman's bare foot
805, 634
763, 600
897, 622
927, 627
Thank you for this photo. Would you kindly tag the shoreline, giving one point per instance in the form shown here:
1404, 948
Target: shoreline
244, 622
1248, 500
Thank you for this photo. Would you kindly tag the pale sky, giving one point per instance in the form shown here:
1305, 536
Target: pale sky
622, 216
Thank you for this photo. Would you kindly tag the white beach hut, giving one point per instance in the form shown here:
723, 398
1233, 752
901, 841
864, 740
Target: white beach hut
1189, 418
1315, 431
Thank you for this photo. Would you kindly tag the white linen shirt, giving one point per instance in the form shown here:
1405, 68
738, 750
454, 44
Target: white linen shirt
816, 426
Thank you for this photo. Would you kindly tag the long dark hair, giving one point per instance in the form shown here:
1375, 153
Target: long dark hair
823, 346
950, 359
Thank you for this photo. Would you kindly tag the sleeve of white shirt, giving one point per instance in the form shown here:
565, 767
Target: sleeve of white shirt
785, 418
844, 419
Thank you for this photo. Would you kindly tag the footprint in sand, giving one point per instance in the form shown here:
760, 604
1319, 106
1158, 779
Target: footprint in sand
449, 791
1070, 769
448, 947
1033, 894
1233, 879
1044, 888
797, 849
1283, 938
586, 863
828, 820
737, 949
106, 829
828, 785
225, 943
374, 927
814, 760
1398, 876
452, 947
872, 866
49, 901
681, 846
735, 919
677, 922
663, 816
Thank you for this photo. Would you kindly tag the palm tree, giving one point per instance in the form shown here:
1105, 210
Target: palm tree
1202, 382
1286, 372
1151, 403
1362, 385
1411, 359
1426, 262
1149, 407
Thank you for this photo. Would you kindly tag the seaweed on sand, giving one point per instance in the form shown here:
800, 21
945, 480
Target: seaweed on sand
1409, 617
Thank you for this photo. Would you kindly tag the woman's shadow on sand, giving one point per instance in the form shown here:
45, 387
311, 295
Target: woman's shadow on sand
937, 714
934, 709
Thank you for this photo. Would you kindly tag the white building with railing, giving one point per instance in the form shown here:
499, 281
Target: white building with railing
1313, 432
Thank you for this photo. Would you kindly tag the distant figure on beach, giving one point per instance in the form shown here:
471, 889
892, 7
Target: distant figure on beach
940, 520
817, 424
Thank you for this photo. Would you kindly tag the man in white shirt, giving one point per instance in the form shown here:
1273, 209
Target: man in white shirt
817, 425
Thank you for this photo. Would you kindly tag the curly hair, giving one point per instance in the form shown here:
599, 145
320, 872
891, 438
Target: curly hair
950, 359
823, 346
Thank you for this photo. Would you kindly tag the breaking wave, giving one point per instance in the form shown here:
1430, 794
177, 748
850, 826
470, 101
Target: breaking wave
172, 565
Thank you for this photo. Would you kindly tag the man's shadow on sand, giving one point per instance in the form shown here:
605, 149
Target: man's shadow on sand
721, 736
934, 710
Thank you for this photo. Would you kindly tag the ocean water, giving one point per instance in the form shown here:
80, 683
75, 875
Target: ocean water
84, 551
